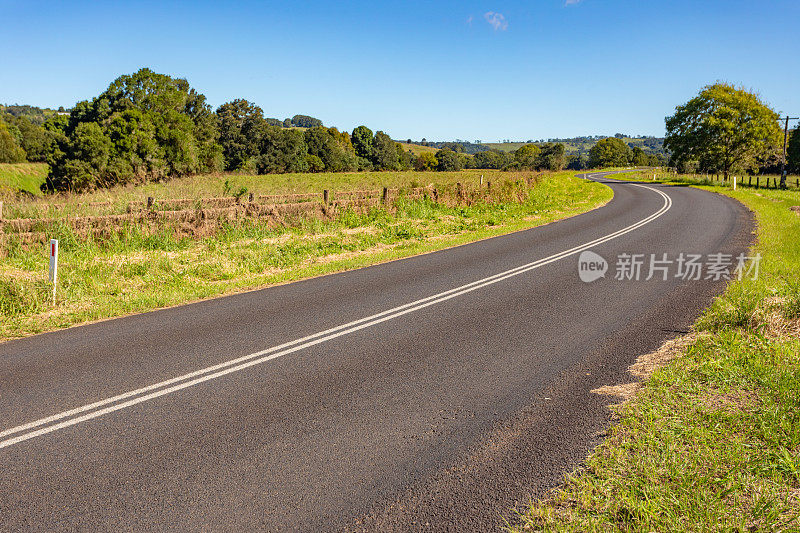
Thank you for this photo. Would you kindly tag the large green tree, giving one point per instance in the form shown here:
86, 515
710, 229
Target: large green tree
447, 160
362, 138
723, 129
332, 148
144, 126
552, 157
283, 150
384, 153
527, 156
610, 152
241, 125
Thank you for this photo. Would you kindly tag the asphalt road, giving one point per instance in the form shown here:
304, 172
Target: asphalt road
410, 405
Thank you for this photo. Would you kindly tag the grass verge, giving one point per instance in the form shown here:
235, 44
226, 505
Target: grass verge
136, 271
711, 441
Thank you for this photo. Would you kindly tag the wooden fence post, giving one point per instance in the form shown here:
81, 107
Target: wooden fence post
149, 202
251, 197
435, 195
385, 195
460, 191
325, 196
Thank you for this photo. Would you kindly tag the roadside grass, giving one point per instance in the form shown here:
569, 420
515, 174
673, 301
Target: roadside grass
27, 177
136, 271
712, 439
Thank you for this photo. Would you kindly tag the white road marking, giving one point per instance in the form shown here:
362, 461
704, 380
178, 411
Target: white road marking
156, 390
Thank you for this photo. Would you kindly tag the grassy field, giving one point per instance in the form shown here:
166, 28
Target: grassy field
227, 184
137, 271
26, 177
712, 439
417, 149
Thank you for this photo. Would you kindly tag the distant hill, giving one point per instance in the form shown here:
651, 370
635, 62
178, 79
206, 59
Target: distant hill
458, 145
36, 115
582, 145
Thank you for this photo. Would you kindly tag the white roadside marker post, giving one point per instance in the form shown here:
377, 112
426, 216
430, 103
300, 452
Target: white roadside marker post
54, 266
734, 183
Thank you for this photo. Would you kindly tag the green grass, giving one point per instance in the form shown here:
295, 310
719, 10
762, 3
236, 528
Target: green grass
136, 271
116, 199
228, 184
417, 149
712, 440
27, 177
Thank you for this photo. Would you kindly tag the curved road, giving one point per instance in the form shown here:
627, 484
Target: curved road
430, 393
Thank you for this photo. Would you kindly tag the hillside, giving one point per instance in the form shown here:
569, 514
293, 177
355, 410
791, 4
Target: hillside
582, 145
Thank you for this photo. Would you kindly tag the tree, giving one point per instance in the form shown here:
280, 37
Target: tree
425, 161
639, 158
405, 159
723, 129
282, 150
552, 157
10, 151
333, 149
362, 138
384, 153
527, 156
491, 159
609, 152
144, 126
304, 121
578, 162
447, 160
793, 152
241, 125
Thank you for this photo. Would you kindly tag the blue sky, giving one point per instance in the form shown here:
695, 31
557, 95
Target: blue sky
441, 70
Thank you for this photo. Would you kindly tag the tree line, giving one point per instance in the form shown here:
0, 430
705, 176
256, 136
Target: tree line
150, 126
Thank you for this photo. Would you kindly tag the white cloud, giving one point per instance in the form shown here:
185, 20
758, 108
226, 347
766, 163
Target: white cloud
572, 2
469, 20
496, 20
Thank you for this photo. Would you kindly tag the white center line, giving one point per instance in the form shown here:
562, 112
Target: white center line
134, 397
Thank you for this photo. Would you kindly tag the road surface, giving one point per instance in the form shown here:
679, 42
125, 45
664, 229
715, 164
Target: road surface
435, 392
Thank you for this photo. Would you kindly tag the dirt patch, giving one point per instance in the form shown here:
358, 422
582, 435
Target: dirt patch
624, 392
776, 324
731, 401
796, 209
646, 364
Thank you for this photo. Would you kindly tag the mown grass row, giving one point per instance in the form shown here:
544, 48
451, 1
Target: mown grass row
137, 270
712, 440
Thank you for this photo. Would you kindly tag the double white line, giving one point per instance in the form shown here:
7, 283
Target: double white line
87, 412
